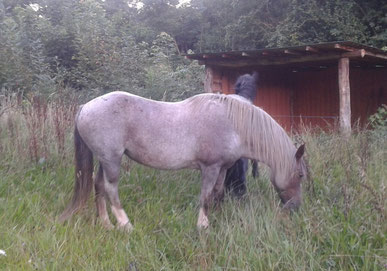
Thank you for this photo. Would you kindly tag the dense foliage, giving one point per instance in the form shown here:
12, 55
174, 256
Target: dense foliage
90, 47
95, 46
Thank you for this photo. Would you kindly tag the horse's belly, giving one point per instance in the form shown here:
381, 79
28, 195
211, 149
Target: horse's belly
162, 161
161, 155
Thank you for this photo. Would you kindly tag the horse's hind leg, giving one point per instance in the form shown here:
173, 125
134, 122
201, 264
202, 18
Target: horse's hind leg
100, 199
111, 172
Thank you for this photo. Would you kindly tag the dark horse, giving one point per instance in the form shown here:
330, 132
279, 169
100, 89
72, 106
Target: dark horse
245, 86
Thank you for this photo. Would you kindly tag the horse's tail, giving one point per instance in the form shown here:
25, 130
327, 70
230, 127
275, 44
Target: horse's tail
83, 176
255, 168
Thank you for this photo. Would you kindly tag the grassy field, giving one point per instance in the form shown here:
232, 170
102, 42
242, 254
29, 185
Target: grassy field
341, 226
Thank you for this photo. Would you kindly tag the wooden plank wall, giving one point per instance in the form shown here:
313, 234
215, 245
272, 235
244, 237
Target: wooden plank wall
274, 96
310, 98
368, 92
316, 98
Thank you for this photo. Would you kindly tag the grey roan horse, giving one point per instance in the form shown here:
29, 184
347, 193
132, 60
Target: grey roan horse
208, 132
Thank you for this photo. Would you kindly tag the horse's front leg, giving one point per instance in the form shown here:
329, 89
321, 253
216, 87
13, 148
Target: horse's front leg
209, 177
218, 192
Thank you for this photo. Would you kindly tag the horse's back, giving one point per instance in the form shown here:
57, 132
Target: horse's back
158, 134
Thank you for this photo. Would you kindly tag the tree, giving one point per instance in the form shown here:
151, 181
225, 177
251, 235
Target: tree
96, 46
168, 76
181, 23
24, 67
238, 25
373, 14
319, 21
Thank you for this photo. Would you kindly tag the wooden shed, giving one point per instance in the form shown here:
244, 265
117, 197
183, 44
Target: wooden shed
327, 85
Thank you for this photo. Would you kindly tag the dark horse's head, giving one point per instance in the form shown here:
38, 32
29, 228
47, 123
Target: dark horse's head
246, 86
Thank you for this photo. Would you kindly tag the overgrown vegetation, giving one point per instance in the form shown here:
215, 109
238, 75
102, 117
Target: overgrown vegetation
378, 120
341, 225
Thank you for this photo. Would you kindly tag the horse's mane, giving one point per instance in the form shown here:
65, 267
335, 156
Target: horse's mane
267, 139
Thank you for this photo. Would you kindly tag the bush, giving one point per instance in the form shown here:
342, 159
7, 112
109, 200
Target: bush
379, 119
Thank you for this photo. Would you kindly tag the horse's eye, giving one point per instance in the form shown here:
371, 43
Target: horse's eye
300, 175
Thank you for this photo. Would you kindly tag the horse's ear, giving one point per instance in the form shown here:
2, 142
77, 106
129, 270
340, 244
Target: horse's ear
300, 152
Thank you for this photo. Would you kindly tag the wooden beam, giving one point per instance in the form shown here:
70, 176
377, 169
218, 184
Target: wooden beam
381, 56
227, 56
208, 80
344, 48
358, 53
311, 49
291, 52
345, 97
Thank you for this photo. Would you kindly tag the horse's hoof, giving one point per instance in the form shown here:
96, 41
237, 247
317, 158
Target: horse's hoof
203, 223
128, 227
202, 227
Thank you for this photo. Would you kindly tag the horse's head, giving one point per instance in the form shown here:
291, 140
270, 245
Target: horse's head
246, 86
288, 182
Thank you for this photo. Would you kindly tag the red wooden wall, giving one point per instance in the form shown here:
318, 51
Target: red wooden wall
368, 92
310, 98
316, 98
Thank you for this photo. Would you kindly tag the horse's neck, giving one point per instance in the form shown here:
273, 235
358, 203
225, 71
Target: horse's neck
272, 147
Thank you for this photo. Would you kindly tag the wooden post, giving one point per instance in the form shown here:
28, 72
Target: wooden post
345, 97
208, 80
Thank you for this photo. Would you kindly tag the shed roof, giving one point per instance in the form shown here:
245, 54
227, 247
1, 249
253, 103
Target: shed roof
322, 53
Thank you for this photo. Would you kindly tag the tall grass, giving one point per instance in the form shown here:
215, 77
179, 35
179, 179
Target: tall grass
35, 130
341, 225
